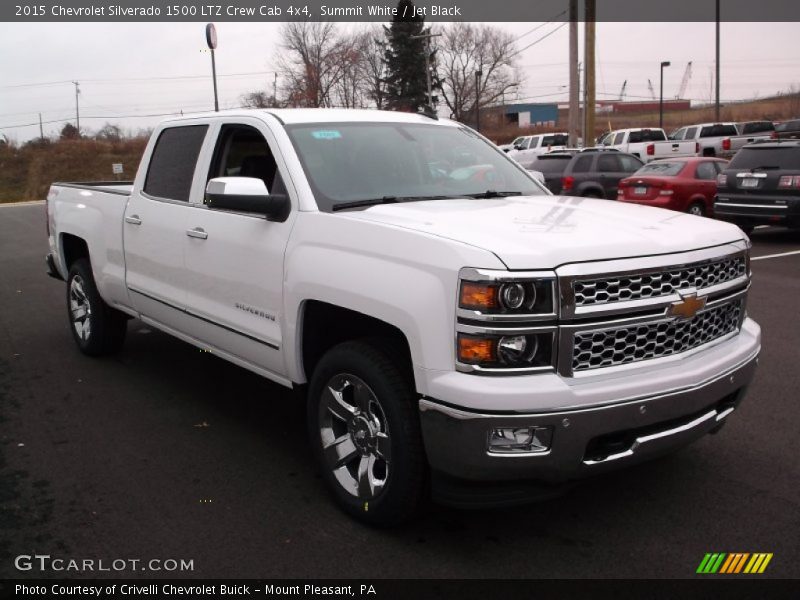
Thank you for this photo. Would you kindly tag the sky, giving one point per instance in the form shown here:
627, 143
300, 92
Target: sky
129, 73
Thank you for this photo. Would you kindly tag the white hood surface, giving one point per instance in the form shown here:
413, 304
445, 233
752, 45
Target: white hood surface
545, 232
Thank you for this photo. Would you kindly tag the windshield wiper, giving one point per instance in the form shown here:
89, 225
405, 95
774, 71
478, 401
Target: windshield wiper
385, 200
492, 194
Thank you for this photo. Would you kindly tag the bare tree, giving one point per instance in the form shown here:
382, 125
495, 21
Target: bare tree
258, 100
466, 49
312, 62
373, 67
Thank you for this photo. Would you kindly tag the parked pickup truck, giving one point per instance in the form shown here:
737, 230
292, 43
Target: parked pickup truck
709, 137
454, 328
531, 146
647, 144
752, 131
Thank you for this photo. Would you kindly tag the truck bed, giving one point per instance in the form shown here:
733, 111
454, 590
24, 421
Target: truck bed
112, 187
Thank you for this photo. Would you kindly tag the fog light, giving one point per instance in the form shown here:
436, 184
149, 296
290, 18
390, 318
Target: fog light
509, 440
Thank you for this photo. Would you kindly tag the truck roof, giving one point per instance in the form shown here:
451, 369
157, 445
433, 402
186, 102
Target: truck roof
291, 116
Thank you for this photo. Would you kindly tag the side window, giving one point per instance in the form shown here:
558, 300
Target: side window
172, 164
629, 163
608, 163
705, 170
619, 139
690, 133
242, 151
583, 164
678, 135
533, 142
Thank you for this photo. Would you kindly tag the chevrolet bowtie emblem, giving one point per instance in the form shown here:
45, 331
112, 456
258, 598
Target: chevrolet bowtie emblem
687, 307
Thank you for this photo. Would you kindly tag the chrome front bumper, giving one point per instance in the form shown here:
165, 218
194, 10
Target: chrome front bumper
585, 441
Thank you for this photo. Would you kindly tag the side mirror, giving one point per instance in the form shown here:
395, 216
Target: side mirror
247, 195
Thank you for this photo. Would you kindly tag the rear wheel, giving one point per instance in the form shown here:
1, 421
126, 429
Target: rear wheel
592, 195
697, 209
97, 328
365, 431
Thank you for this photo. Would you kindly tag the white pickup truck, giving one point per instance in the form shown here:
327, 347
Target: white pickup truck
531, 146
712, 139
455, 328
648, 144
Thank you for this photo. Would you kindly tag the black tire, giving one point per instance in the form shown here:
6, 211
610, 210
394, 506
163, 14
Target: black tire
348, 367
699, 209
748, 229
97, 328
596, 195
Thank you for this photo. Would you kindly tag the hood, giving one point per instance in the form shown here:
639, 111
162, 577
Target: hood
544, 232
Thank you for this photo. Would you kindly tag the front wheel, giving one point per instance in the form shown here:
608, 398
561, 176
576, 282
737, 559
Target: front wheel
97, 328
365, 431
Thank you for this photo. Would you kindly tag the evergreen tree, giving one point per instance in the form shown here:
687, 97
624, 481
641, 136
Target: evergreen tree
406, 82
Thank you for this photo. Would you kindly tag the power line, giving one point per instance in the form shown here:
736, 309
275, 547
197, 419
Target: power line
544, 37
550, 20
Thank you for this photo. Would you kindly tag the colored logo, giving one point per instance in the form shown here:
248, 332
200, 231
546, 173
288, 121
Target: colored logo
735, 562
687, 306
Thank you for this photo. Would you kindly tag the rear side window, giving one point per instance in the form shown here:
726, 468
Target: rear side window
608, 163
532, 142
583, 164
690, 133
646, 135
619, 139
757, 127
706, 170
785, 159
172, 164
718, 131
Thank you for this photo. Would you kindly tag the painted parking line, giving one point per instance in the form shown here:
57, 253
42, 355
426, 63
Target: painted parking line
775, 255
28, 203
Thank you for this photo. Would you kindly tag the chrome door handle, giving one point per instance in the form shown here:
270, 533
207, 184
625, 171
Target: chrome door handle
197, 232
133, 220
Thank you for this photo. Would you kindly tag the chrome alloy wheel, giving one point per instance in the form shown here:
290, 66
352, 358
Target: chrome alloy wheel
355, 436
79, 309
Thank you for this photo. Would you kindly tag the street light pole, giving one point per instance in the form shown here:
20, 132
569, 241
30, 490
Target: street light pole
427, 37
665, 63
211, 40
478, 75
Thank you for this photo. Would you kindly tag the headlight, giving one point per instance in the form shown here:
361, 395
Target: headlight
496, 351
485, 297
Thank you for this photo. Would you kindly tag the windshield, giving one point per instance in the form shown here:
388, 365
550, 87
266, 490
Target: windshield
351, 162
661, 168
718, 131
551, 164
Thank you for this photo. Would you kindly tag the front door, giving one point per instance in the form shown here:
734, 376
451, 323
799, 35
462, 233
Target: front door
234, 261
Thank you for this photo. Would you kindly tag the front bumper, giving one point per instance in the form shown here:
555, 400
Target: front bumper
586, 440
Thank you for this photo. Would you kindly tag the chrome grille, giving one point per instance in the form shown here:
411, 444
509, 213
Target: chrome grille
633, 343
633, 286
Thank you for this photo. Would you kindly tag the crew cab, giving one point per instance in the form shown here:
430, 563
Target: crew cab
749, 132
709, 137
647, 144
453, 327
535, 145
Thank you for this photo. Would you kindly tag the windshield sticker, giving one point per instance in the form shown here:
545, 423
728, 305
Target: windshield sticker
326, 135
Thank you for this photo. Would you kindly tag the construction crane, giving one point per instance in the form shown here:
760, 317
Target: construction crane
622, 91
687, 75
650, 87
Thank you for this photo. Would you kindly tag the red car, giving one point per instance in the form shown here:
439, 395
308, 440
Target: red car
683, 184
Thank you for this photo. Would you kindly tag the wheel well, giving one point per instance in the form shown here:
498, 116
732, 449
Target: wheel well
73, 248
326, 325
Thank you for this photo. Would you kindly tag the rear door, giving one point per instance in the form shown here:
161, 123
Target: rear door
155, 222
234, 261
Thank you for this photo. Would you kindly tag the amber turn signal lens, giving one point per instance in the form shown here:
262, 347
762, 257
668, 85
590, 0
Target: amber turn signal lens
478, 295
474, 350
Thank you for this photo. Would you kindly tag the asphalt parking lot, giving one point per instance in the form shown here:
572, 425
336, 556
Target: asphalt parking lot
167, 452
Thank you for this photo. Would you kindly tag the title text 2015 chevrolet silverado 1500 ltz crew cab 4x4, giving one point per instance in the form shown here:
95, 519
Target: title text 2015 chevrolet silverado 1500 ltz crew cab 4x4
450, 321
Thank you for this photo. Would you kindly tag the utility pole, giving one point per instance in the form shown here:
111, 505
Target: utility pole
716, 106
275, 90
41, 129
589, 59
478, 75
77, 107
427, 37
574, 81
